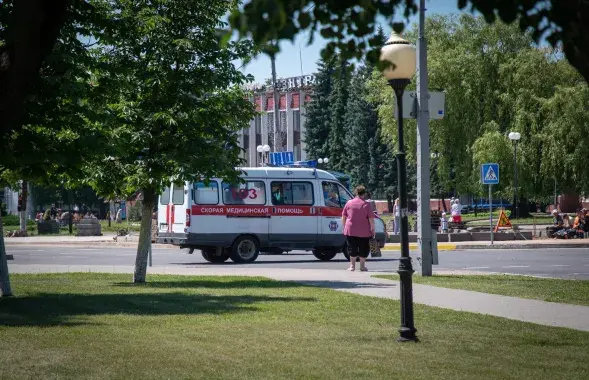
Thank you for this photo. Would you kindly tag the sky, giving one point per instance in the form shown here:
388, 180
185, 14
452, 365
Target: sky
298, 58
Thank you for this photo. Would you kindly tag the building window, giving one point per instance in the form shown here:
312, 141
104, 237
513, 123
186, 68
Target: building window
206, 195
296, 120
249, 193
297, 152
258, 123
292, 193
270, 130
246, 145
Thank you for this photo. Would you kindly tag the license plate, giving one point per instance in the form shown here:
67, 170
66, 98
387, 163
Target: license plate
163, 227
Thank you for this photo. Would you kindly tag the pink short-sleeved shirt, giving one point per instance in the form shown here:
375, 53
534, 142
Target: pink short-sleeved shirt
357, 213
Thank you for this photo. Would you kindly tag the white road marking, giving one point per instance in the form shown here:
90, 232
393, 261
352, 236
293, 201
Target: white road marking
559, 265
516, 266
89, 249
578, 274
477, 267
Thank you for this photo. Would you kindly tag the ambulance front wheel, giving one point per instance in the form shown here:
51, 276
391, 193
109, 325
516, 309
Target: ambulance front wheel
324, 255
245, 249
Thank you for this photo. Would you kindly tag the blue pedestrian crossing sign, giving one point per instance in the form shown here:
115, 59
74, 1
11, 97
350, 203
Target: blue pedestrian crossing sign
282, 158
490, 174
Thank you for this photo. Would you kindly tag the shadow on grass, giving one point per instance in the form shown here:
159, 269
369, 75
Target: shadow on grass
66, 309
231, 284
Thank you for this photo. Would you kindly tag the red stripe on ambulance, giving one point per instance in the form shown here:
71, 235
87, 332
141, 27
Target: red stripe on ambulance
265, 211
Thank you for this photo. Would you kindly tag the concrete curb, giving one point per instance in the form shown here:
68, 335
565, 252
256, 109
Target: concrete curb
441, 246
129, 244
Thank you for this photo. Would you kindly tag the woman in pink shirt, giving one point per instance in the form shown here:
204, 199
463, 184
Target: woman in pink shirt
358, 222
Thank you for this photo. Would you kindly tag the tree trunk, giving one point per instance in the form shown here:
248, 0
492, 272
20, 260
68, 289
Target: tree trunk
524, 208
5, 290
444, 204
144, 245
23, 211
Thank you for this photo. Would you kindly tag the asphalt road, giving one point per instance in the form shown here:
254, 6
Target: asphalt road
570, 263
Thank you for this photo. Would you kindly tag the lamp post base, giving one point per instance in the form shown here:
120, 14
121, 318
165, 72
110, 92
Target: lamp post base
407, 330
407, 335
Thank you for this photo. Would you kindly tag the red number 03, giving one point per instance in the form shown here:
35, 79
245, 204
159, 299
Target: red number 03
253, 194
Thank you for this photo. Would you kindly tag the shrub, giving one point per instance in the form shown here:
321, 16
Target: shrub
11, 220
14, 221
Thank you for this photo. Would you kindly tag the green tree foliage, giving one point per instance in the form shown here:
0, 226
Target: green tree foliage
351, 28
318, 112
369, 158
565, 155
52, 130
496, 81
338, 100
174, 100
362, 125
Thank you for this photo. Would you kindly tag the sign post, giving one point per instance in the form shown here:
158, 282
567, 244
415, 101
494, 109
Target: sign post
490, 176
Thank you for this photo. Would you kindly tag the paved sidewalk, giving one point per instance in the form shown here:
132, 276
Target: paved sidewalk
107, 239
540, 312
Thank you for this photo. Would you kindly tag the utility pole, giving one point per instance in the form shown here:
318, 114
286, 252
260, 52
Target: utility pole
424, 230
276, 107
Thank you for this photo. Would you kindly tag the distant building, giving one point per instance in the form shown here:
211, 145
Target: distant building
294, 94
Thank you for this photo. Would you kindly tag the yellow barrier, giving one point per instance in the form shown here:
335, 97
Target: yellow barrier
397, 246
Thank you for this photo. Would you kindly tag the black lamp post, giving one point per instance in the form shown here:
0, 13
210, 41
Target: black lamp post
401, 55
514, 137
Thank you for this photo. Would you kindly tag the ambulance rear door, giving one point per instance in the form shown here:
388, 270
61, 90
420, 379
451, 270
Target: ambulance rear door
180, 207
163, 211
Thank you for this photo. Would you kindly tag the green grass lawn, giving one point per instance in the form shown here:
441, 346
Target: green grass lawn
545, 289
99, 326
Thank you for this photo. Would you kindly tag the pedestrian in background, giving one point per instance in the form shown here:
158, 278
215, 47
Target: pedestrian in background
397, 213
358, 223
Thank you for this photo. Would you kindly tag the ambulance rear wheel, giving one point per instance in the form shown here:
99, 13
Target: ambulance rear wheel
210, 256
324, 255
245, 249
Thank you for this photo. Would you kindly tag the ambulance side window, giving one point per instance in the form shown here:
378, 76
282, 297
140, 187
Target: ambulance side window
292, 193
248, 193
344, 196
331, 195
165, 197
178, 195
206, 195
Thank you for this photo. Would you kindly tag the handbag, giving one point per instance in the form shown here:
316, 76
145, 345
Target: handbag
374, 248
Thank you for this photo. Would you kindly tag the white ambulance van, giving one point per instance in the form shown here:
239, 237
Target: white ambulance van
274, 210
